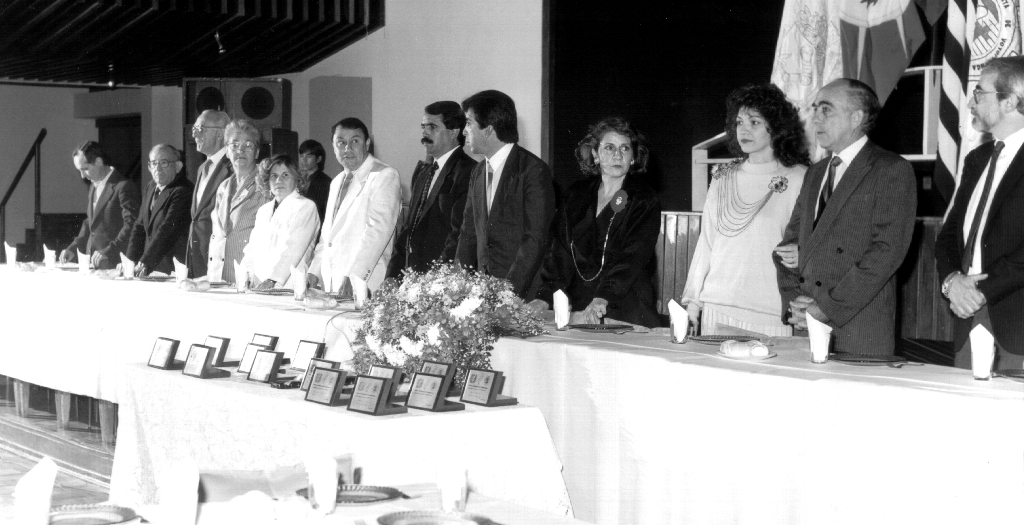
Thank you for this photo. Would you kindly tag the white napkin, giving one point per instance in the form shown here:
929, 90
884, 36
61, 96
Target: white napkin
32, 494
127, 267
12, 254
49, 257
359, 291
680, 321
83, 263
180, 271
322, 470
451, 482
179, 493
983, 349
241, 276
561, 308
298, 281
820, 334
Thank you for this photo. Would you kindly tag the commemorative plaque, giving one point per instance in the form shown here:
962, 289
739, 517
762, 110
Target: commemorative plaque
162, 355
372, 395
483, 387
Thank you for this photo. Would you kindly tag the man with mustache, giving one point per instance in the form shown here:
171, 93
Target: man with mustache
979, 253
852, 224
365, 200
439, 188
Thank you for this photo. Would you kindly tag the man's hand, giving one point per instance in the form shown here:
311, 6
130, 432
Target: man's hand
67, 256
97, 259
965, 299
539, 306
265, 285
790, 255
312, 281
598, 308
798, 309
693, 312
140, 270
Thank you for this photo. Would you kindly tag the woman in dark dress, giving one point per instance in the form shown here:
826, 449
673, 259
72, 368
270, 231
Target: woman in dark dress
602, 252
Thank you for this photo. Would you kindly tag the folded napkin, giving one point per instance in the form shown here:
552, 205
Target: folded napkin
127, 267
298, 281
561, 308
12, 254
680, 321
83, 263
241, 276
983, 349
32, 494
820, 334
359, 291
180, 271
49, 257
322, 470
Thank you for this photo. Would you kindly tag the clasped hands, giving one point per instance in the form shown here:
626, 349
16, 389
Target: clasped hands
800, 308
965, 299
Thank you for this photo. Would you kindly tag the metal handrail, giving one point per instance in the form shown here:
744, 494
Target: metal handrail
34, 153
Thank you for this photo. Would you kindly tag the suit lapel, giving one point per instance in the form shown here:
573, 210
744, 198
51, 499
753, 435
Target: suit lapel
858, 169
508, 171
210, 192
419, 179
243, 192
89, 211
1010, 180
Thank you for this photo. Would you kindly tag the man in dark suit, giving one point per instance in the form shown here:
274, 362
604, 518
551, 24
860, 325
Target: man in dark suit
208, 133
311, 164
439, 189
852, 223
511, 199
161, 231
111, 211
979, 253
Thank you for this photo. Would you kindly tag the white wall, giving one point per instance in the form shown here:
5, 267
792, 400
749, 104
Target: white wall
161, 118
23, 111
429, 51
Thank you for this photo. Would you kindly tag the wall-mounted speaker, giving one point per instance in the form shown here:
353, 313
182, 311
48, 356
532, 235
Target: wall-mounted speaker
266, 102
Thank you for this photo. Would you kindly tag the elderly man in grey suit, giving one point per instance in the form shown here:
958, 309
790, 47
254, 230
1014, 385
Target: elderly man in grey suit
851, 227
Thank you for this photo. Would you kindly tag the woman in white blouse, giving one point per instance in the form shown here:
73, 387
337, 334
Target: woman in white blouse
285, 230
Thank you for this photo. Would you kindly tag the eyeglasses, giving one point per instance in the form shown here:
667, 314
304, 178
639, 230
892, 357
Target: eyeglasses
238, 146
978, 92
163, 163
610, 150
199, 128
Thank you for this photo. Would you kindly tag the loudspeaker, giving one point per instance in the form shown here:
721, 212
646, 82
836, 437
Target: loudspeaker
275, 141
266, 102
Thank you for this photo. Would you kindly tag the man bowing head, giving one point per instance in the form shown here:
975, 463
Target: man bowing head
980, 250
852, 225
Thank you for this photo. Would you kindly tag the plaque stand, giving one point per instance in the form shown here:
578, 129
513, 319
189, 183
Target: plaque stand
383, 406
440, 403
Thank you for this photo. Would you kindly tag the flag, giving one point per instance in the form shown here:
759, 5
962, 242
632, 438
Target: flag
977, 31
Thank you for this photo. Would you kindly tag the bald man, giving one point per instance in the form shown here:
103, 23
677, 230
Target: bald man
161, 231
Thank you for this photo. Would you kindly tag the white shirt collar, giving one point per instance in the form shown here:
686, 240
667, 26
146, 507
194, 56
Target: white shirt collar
851, 151
1012, 143
364, 169
444, 158
215, 158
102, 182
497, 161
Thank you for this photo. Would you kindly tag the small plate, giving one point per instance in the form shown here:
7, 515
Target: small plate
1010, 373
274, 291
432, 517
361, 494
602, 328
747, 358
865, 360
152, 279
719, 339
97, 514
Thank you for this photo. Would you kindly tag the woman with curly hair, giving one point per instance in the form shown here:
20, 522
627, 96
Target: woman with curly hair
732, 279
286, 227
602, 248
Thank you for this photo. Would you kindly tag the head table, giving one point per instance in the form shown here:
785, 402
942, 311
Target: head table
647, 431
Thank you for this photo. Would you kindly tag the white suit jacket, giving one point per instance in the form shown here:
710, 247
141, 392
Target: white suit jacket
282, 239
358, 239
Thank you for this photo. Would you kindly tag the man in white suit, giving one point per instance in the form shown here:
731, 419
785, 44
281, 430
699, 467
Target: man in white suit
357, 236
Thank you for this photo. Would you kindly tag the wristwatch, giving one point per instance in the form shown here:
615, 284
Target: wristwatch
946, 281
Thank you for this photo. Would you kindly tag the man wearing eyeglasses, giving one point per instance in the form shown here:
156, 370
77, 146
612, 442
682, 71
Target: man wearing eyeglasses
161, 231
208, 133
111, 211
979, 253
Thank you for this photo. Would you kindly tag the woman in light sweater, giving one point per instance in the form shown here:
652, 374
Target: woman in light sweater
732, 280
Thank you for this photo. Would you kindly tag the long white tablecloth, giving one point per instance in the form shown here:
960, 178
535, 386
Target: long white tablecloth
647, 431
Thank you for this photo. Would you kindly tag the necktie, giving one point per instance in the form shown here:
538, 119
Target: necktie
972, 238
152, 201
423, 194
341, 193
826, 192
490, 181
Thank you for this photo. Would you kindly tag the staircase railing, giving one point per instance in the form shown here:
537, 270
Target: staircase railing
33, 153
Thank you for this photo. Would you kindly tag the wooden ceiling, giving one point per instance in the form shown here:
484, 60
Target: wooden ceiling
158, 42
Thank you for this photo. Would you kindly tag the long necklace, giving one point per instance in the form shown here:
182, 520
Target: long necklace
604, 250
734, 213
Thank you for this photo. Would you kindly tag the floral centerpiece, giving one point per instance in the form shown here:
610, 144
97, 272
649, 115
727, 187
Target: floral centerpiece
446, 314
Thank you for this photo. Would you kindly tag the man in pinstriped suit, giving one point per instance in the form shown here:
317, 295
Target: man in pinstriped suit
851, 226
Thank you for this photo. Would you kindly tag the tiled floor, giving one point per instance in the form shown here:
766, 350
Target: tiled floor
67, 490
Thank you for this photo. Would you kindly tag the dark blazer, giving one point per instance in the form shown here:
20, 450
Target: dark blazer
848, 262
426, 240
511, 241
108, 227
1001, 245
162, 234
625, 279
318, 191
202, 225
